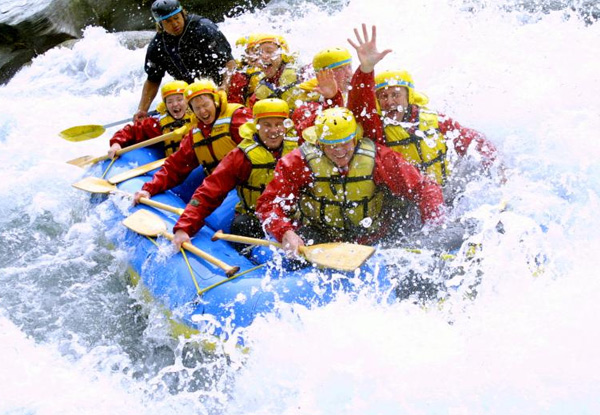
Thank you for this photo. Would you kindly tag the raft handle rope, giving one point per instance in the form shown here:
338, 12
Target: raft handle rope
108, 168
202, 291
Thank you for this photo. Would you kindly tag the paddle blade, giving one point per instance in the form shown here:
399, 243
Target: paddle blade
94, 185
340, 256
145, 223
84, 161
82, 132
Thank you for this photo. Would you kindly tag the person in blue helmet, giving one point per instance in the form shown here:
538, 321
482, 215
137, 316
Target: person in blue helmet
186, 46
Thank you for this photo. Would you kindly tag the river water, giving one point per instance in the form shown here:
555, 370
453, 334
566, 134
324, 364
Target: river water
76, 338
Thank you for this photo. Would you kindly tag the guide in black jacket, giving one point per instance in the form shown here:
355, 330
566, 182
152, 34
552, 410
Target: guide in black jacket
186, 46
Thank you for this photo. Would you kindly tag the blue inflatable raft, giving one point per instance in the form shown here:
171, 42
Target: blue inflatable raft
201, 298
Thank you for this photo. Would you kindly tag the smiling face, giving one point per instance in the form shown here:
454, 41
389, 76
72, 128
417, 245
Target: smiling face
269, 58
393, 101
205, 109
271, 131
174, 25
340, 154
176, 105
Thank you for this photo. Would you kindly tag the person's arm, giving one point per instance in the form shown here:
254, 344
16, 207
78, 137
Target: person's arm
236, 91
148, 93
240, 117
155, 71
305, 115
280, 197
233, 170
230, 68
137, 132
404, 179
464, 137
363, 104
176, 168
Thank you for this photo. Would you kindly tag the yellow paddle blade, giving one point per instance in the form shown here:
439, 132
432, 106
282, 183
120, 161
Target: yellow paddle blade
145, 223
82, 132
84, 161
94, 185
338, 255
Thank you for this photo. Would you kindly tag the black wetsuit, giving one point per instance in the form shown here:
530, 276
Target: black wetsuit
200, 51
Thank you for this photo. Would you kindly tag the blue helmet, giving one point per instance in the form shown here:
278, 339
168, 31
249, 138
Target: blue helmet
163, 9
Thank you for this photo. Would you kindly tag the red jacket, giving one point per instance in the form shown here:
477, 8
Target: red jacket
137, 132
232, 171
362, 103
292, 174
181, 163
237, 92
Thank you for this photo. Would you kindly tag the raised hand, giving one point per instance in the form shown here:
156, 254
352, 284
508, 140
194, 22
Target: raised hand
366, 49
327, 85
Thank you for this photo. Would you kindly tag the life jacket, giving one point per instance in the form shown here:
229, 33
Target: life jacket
219, 140
263, 166
347, 207
168, 124
421, 143
284, 89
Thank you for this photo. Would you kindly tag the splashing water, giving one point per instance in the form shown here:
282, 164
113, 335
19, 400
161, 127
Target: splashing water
76, 339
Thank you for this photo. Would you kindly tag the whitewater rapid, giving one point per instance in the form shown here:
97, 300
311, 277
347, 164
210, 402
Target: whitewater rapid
75, 338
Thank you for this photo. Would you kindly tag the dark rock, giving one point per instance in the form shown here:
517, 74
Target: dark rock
30, 29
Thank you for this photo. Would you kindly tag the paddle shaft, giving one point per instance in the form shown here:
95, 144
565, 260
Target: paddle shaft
112, 124
158, 205
138, 171
249, 241
84, 161
229, 270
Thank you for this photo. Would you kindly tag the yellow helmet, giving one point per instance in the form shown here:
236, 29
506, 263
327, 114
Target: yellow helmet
331, 58
201, 87
257, 39
254, 40
270, 107
334, 126
242, 41
172, 88
400, 78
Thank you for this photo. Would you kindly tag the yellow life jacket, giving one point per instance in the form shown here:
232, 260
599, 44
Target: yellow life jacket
424, 147
344, 206
263, 166
168, 124
285, 90
219, 140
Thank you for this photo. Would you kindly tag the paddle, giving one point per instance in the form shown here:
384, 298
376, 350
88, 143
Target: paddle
135, 172
86, 160
87, 132
97, 185
147, 223
336, 255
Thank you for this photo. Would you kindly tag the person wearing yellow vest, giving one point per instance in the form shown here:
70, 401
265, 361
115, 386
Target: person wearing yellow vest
388, 105
216, 133
172, 114
333, 69
279, 78
245, 78
332, 187
249, 168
